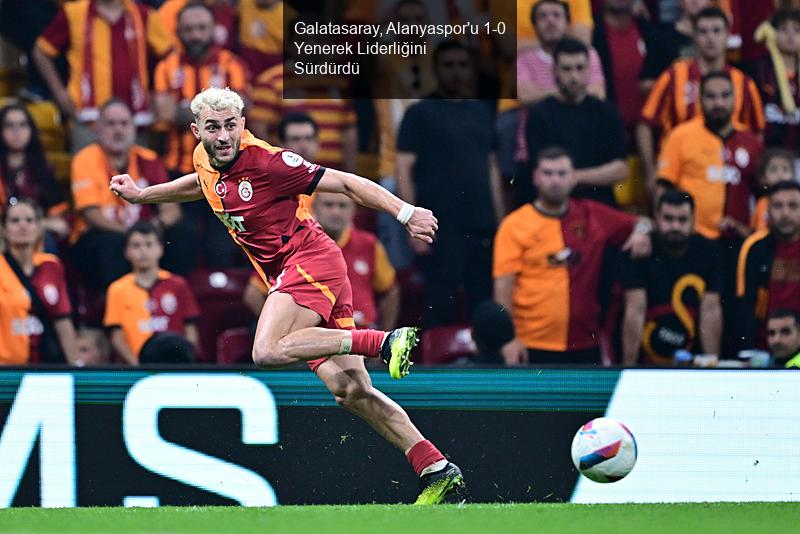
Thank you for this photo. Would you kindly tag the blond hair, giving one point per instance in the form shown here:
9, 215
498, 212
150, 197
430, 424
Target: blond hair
216, 99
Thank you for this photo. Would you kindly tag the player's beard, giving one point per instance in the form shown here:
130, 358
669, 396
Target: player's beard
674, 240
211, 150
718, 118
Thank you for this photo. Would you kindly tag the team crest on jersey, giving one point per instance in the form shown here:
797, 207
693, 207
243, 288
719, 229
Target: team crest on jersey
361, 267
291, 159
221, 189
169, 303
742, 157
245, 190
50, 294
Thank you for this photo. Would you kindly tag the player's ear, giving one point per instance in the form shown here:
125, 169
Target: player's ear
243, 120
195, 130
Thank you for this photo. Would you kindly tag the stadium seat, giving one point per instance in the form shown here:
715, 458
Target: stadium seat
234, 346
219, 294
444, 344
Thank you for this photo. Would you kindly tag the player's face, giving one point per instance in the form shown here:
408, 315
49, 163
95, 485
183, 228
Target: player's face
550, 23
143, 251
22, 226
334, 212
572, 75
16, 131
778, 170
115, 129
787, 37
554, 179
711, 37
675, 223
302, 139
454, 72
196, 31
717, 102
783, 337
220, 133
693, 7
784, 213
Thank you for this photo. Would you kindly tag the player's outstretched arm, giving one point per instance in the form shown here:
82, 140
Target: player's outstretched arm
419, 222
183, 189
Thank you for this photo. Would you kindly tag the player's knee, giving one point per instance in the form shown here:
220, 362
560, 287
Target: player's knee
349, 395
269, 355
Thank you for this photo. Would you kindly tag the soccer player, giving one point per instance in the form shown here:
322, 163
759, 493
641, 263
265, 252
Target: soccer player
253, 188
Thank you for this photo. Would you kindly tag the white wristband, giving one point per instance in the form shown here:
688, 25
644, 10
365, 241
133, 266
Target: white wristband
405, 213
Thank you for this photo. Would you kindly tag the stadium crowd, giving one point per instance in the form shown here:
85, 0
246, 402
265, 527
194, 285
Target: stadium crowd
631, 199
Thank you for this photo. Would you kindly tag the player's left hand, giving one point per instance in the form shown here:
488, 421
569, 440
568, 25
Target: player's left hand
422, 225
638, 244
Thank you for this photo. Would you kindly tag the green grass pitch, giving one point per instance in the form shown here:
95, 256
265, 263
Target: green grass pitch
389, 519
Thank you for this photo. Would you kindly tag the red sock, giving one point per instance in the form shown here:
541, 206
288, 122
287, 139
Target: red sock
422, 455
367, 342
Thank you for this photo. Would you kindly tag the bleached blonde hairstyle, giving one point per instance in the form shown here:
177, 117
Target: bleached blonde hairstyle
216, 99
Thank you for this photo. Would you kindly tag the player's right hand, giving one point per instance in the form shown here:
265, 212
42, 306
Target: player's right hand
422, 225
124, 186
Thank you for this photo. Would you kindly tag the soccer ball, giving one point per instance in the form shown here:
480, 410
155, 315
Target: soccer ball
604, 450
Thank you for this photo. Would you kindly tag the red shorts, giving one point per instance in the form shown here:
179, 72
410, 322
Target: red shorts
317, 280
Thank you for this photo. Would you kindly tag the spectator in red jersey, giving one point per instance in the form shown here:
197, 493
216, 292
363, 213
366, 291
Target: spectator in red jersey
24, 171
779, 81
103, 218
768, 275
623, 42
35, 322
108, 44
548, 258
148, 301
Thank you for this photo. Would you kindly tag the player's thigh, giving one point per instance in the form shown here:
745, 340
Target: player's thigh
280, 316
345, 376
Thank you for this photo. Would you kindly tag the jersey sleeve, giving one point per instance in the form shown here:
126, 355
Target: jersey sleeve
508, 250
617, 225
54, 40
88, 178
290, 174
658, 100
158, 38
113, 313
54, 291
384, 276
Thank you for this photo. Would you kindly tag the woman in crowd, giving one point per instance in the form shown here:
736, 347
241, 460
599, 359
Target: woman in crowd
24, 171
35, 312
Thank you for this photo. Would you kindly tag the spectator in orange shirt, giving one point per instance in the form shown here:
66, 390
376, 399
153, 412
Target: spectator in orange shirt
102, 217
24, 171
776, 165
675, 97
108, 44
35, 312
548, 257
148, 301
